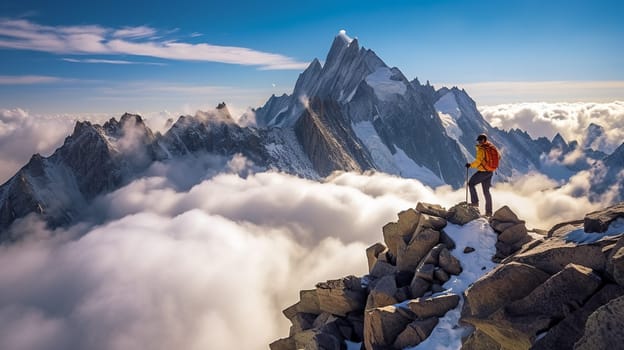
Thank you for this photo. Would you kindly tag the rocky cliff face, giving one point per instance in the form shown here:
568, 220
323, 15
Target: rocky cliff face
557, 290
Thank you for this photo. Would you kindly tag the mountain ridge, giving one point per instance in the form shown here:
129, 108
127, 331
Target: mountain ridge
354, 113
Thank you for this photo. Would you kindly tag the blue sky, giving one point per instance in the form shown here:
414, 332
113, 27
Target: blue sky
150, 56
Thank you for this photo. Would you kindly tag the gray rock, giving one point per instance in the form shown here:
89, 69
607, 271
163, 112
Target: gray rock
513, 234
301, 322
599, 221
409, 255
415, 333
604, 328
309, 302
324, 341
283, 344
432, 209
419, 286
567, 332
408, 221
554, 254
468, 250
500, 226
382, 269
433, 256
479, 340
441, 275
425, 271
501, 286
432, 222
505, 214
372, 253
341, 296
462, 213
435, 306
382, 326
449, 263
447, 240
560, 295
615, 262
383, 293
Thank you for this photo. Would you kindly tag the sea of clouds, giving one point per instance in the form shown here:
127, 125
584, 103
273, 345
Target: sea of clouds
189, 258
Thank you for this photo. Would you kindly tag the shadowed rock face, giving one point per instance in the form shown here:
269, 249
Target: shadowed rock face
328, 141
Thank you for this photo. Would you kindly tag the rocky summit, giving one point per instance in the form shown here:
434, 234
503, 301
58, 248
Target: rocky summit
562, 289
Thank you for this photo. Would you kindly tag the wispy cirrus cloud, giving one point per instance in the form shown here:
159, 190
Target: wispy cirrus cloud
104, 61
27, 79
137, 41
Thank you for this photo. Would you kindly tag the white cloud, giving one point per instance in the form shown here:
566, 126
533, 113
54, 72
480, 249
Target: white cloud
196, 265
27, 79
571, 120
137, 41
543, 91
94, 60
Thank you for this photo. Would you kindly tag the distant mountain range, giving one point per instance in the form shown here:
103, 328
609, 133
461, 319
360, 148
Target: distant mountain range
352, 113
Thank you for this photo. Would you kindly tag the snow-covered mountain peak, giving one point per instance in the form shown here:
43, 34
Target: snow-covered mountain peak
342, 34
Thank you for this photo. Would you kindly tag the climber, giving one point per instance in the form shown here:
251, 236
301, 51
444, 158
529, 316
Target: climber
486, 162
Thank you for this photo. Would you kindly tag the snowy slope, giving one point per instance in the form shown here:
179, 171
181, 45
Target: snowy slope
383, 86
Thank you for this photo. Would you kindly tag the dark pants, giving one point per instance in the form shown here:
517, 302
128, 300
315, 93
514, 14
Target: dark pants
485, 179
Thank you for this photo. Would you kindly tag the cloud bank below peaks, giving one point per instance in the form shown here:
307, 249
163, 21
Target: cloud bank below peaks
571, 120
197, 266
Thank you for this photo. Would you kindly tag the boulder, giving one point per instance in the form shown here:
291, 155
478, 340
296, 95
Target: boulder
554, 254
604, 328
441, 275
408, 220
381, 269
447, 240
560, 295
425, 271
500, 286
410, 254
283, 344
479, 340
504, 214
510, 333
383, 325
599, 221
301, 322
567, 332
309, 302
432, 222
415, 332
392, 236
615, 262
372, 253
383, 293
500, 226
341, 296
449, 263
513, 234
462, 213
434, 306
432, 209
419, 287
324, 341
433, 256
